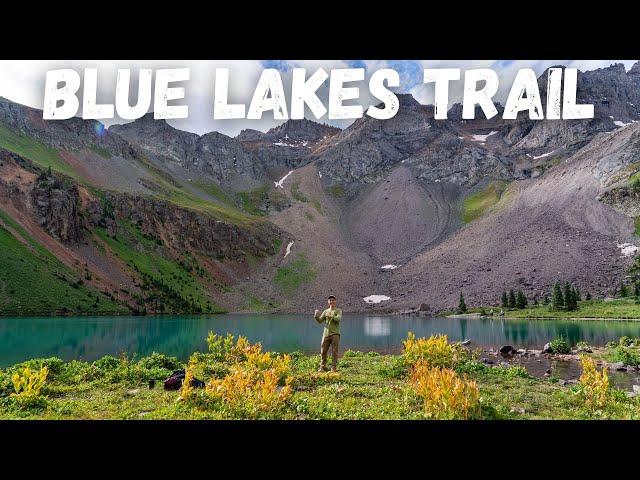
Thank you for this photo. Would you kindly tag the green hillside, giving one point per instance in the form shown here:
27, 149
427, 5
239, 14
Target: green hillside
32, 281
169, 285
35, 151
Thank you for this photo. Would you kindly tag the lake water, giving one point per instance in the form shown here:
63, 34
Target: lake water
88, 338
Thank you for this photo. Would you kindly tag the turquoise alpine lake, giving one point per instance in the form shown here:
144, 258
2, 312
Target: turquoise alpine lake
88, 338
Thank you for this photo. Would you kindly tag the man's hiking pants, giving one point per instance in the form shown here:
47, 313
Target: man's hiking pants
334, 342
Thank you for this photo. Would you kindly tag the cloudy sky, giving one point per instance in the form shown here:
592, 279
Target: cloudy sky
23, 82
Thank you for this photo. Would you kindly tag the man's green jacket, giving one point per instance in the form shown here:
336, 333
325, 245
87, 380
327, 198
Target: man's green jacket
332, 318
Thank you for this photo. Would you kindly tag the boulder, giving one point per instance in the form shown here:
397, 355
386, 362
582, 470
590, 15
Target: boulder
618, 366
507, 351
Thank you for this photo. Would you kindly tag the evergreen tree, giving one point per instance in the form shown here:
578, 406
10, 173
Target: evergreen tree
512, 299
535, 300
588, 296
462, 307
570, 301
577, 294
636, 290
521, 300
624, 293
557, 300
505, 300
545, 300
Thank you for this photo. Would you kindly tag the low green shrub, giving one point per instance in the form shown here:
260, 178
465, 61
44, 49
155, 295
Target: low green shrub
352, 353
54, 366
219, 346
625, 341
108, 362
559, 345
76, 372
625, 355
6, 387
159, 360
394, 367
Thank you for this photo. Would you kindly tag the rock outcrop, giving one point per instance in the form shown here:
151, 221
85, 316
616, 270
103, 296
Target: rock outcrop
56, 201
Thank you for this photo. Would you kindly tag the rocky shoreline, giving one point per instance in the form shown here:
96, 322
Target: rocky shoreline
543, 363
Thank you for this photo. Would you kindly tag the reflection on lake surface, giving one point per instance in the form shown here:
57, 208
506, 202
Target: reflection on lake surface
89, 338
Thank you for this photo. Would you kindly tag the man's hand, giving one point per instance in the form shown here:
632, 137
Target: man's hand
315, 314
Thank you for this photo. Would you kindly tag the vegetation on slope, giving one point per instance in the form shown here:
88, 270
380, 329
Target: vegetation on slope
40, 154
171, 286
297, 272
477, 204
32, 281
164, 186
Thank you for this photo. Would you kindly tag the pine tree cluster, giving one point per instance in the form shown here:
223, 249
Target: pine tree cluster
514, 300
567, 299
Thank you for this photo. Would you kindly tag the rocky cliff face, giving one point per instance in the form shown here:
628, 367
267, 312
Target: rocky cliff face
56, 201
182, 229
211, 157
71, 134
287, 146
615, 95
436, 150
369, 147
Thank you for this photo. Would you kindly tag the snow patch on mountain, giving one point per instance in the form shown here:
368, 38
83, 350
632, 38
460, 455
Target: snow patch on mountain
627, 249
483, 138
376, 299
281, 181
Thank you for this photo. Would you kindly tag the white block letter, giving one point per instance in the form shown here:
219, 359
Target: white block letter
65, 94
525, 83
482, 97
379, 91
338, 93
270, 83
90, 109
305, 93
123, 108
571, 111
221, 109
554, 93
164, 93
442, 77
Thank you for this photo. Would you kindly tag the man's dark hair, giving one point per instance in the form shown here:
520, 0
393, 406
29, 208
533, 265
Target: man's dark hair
331, 297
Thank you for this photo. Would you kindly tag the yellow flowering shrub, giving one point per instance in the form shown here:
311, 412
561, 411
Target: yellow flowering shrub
436, 351
228, 349
595, 385
249, 392
445, 395
186, 391
28, 383
257, 384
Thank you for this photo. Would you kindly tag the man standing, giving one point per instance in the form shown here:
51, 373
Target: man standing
331, 335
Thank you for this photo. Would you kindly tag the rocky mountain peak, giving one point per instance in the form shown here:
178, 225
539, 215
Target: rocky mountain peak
408, 101
249, 135
635, 69
146, 125
301, 130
